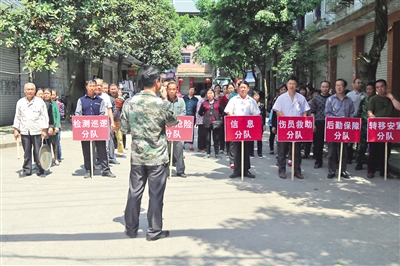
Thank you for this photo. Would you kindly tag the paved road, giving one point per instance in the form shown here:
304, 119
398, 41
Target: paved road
66, 219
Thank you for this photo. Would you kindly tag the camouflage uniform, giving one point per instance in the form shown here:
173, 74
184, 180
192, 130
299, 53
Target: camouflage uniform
362, 146
145, 117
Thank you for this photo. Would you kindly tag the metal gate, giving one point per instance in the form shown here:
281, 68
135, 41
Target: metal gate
344, 62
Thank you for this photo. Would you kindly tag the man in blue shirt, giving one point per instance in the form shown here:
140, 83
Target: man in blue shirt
191, 105
338, 105
91, 104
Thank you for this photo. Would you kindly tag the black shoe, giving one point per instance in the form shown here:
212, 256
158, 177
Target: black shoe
109, 174
317, 165
97, 163
131, 234
282, 175
305, 156
41, 174
358, 166
23, 174
330, 176
87, 174
249, 175
234, 175
163, 234
344, 174
183, 175
114, 162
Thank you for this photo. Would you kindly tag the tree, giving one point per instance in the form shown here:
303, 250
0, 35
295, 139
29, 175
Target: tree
90, 30
244, 34
368, 63
39, 31
299, 57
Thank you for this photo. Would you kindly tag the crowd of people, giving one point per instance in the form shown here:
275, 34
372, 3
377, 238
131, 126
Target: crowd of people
145, 116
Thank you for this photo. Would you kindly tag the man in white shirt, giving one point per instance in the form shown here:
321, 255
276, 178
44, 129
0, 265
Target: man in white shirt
31, 122
107, 101
290, 103
356, 95
240, 105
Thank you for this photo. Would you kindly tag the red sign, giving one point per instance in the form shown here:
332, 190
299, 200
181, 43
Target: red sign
90, 127
243, 128
383, 129
183, 131
342, 129
295, 128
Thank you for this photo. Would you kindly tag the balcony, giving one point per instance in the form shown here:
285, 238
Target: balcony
334, 6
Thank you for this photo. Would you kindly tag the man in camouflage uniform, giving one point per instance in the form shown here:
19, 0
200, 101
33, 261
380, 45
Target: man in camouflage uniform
363, 114
145, 117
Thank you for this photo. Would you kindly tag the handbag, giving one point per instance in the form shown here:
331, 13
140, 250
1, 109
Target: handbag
216, 124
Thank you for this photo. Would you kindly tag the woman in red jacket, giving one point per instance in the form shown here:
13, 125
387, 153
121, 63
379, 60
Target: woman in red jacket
211, 111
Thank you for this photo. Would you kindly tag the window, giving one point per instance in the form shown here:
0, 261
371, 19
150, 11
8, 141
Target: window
186, 58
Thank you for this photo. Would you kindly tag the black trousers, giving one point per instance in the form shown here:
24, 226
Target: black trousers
101, 151
271, 139
29, 141
222, 138
259, 148
230, 149
157, 176
334, 157
53, 141
215, 134
238, 159
283, 149
376, 156
201, 137
319, 141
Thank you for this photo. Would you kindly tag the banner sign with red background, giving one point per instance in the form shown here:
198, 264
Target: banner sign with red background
295, 128
88, 127
342, 129
243, 128
383, 129
183, 131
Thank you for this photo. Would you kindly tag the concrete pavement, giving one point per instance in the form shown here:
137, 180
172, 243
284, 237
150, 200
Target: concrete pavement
66, 219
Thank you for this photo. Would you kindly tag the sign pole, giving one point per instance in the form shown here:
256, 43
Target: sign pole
91, 160
171, 159
386, 165
340, 160
293, 150
18, 150
242, 161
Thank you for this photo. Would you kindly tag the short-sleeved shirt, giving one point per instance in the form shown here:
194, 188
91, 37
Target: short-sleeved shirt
287, 107
106, 99
335, 107
90, 106
239, 106
145, 117
31, 117
380, 106
356, 98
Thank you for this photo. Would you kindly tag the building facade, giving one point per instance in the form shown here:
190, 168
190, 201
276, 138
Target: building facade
190, 73
346, 28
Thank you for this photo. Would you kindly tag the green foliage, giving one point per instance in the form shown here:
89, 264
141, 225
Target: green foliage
241, 33
301, 59
44, 30
40, 31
